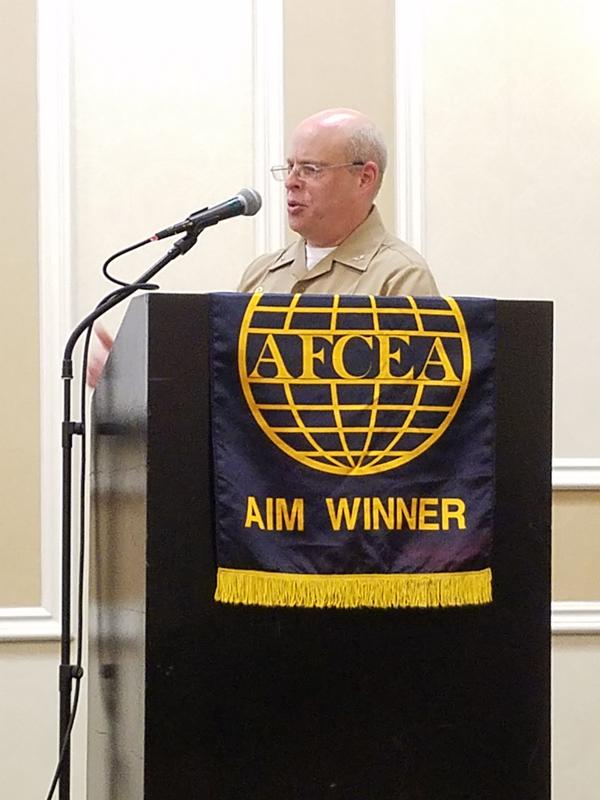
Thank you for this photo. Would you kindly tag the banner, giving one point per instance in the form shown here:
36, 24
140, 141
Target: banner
353, 444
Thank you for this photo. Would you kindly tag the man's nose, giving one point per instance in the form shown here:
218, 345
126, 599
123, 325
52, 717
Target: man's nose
292, 178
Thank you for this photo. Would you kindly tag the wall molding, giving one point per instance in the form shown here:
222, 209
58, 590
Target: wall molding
35, 623
409, 124
576, 473
268, 121
54, 220
575, 618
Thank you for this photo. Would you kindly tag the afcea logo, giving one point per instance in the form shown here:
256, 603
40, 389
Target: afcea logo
353, 385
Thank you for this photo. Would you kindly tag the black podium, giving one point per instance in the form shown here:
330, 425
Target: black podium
191, 699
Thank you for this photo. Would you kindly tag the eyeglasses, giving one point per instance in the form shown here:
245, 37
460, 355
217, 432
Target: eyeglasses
307, 172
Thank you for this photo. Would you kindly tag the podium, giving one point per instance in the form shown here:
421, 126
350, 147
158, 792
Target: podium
193, 699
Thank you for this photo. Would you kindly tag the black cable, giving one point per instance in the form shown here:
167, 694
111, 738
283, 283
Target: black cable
82, 498
105, 271
66, 740
125, 290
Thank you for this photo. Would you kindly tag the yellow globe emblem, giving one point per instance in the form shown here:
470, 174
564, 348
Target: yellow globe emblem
353, 385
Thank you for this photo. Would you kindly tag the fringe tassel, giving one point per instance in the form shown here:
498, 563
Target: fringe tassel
431, 590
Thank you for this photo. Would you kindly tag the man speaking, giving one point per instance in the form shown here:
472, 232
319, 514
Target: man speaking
332, 176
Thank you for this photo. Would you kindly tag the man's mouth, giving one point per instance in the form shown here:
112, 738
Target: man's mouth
294, 205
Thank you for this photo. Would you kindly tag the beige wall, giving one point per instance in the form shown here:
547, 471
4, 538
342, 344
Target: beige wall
19, 330
28, 722
512, 114
510, 186
322, 70
576, 551
163, 107
575, 715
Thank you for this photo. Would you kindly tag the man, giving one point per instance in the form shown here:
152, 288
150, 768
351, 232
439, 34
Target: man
332, 176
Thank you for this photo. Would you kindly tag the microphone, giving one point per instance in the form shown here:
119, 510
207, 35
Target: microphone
247, 202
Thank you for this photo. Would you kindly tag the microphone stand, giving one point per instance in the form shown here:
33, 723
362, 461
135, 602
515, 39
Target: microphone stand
68, 673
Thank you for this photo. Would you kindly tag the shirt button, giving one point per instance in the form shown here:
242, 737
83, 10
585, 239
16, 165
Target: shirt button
259, 289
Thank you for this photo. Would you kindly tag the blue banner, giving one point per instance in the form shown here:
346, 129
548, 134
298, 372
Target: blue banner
353, 447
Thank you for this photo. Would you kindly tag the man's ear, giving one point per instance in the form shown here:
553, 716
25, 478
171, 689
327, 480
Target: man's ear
369, 175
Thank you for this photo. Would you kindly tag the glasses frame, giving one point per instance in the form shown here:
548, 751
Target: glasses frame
283, 172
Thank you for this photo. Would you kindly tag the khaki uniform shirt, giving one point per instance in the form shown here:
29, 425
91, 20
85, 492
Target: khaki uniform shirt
369, 261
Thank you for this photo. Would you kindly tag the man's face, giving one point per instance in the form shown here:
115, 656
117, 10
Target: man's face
326, 208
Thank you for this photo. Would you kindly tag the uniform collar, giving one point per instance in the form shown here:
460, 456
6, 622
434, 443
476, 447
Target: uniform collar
355, 251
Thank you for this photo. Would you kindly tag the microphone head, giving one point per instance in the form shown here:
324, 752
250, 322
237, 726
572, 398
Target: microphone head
251, 200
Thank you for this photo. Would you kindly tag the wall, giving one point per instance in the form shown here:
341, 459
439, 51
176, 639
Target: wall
162, 126
322, 71
575, 711
19, 330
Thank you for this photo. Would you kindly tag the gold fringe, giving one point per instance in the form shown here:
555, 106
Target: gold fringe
431, 590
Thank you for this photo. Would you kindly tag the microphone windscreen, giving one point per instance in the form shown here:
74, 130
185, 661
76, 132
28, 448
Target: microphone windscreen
251, 200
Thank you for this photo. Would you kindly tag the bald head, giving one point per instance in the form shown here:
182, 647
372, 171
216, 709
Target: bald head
357, 134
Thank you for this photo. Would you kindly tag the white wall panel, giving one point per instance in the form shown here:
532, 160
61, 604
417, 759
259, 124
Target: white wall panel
512, 190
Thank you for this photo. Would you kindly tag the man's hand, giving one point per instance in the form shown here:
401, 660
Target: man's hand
100, 348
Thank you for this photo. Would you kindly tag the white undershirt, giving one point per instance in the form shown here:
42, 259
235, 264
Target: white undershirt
316, 254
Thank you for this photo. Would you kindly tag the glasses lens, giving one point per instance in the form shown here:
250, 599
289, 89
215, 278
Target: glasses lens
307, 171
280, 173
